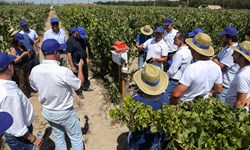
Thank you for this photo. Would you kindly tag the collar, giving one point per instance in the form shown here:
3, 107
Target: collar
50, 62
10, 82
56, 33
183, 47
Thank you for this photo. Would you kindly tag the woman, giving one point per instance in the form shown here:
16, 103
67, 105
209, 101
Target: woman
22, 69
152, 82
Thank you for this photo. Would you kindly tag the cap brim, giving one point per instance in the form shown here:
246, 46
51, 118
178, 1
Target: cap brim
146, 33
151, 90
6, 121
191, 34
222, 32
168, 23
63, 47
83, 36
206, 52
237, 50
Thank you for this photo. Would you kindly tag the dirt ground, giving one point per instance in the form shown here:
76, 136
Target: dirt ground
102, 135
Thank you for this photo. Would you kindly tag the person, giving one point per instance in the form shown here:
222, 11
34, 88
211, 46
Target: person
194, 32
57, 33
13, 101
200, 77
181, 59
169, 35
6, 121
31, 41
55, 94
72, 30
156, 48
225, 60
22, 68
239, 89
77, 48
152, 82
146, 33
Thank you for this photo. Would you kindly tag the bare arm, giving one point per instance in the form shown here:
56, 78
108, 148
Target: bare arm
241, 99
18, 59
217, 61
32, 138
217, 88
37, 40
177, 93
162, 59
80, 72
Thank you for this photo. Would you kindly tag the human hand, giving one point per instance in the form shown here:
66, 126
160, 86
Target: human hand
74, 69
80, 64
87, 60
38, 142
37, 53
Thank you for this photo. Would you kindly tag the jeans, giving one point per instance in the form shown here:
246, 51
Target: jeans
171, 85
19, 143
222, 95
65, 121
141, 60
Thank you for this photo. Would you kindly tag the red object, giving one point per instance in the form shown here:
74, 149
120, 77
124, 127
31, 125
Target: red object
120, 46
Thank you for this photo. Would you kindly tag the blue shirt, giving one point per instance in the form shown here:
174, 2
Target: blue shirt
141, 38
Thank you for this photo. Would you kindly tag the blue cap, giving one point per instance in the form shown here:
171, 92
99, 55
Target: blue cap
19, 37
193, 33
6, 60
63, 46
81, 31
54, 20
6, 121
168, 21
159, 29
50, 46
72, 29
229, 30
23, 22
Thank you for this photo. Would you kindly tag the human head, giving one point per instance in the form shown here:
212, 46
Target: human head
146, 30
81, 33
228, 35
72, 30
168, 24
159, 32
241, 51
6, 64
18, 38
180, 38
6, 121
24, 25
201, 44
54, 24
193, 33
52, 47
151, 80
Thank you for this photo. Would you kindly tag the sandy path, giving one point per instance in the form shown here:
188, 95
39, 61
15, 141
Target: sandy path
101, 135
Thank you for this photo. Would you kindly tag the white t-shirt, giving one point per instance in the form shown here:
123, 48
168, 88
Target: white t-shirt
60, 37
155, 50
169, 39
200, 78
181, 59
53, 83
32, 34
226, 58
13, 101
240, 83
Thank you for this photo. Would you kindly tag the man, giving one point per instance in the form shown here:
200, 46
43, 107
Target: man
169, 35
13, 101
157, 51
31, 40
58, 34
181, 59
53, 83
6, 121
146, 33
239, 89
200, 77
77, 48
225, 60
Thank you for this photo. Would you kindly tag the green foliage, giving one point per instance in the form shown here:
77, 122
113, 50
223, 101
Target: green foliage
200, 124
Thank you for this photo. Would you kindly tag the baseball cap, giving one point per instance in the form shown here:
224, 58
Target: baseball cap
19, 37
168, 21
81, 31
6, 121
23, 22
229, 30
6, 60
50, 46
54, 20
193, 33
159, 29
72, 29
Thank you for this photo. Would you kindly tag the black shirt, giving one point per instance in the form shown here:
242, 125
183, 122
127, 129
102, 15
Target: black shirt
77, 48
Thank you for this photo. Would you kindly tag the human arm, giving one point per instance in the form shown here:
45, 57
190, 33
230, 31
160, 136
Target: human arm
176, 63
216, 60
19, 58
162, 59
70, 60
241, 99
177, 93
33, 139
217, 88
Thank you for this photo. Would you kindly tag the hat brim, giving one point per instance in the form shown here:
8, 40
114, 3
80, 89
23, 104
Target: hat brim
23, 24
14, 32
222, 32
168, 23
151, 90
83, 36
146, 33
6, 121
237, 50
191, 34
206, 52
63, 47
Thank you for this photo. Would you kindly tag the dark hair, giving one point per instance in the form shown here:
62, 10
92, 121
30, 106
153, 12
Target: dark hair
14, 42
183, 36
233, 37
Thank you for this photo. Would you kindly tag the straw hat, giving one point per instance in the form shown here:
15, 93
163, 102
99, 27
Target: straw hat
14, 32
151, 80
201, 43
243, 48
146, 30
10, 30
